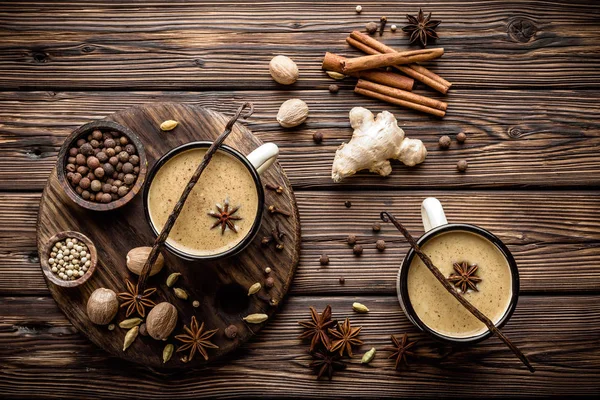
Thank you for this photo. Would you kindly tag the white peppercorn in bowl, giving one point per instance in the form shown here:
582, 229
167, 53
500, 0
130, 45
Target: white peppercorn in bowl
80, 240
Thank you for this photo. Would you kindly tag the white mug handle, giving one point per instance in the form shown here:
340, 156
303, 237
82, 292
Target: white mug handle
263, 157
432, 214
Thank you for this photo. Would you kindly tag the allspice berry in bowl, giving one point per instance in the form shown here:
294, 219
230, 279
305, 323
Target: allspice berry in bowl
69, 259
102, 165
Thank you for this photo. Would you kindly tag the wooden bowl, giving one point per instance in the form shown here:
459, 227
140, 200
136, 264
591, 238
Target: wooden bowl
45, 254
84, 130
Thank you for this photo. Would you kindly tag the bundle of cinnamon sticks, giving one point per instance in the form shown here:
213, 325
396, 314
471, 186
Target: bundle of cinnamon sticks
375, 82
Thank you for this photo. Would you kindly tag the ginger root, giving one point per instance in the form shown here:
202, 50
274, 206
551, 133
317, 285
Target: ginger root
373, 143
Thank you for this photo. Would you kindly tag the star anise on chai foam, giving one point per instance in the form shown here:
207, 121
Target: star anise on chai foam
225, 217
326, 363
401, 350
345, 337
465, 277
316, 330
420, 28
135, 301
196, 339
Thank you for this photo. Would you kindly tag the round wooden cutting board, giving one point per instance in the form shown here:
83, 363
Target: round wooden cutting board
221, 286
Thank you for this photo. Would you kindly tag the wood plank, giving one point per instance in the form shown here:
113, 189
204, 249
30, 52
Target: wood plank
515, 138
554, 237
170, 45
44, 357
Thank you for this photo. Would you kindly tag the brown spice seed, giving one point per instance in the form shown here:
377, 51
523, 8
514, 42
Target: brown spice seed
376, 227
342, 280
348, 204
334, 88
317, 137
462, 165
269, 282
357, 250
231, 331
445, 142
380, 245
371, 27
324, 259
143, 330
461, 137
351, 240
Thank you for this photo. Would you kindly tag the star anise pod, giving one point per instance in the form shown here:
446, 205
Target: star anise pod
401, 350
134, 301
316, 330
225, 217
465, 277
196, 339
325, 363
346, 337
421, 28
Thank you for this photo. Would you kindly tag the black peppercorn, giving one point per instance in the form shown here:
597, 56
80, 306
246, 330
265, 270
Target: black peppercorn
348, 204
376, 227
324, 259
318, 137
342, 280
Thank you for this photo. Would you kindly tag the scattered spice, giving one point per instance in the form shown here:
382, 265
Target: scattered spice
421, 28
269, 282
172, 279
461, 137
382, 22
317, 137
257, 318
360, 308
168, 352
130, 337
462, 165
316, 329
326, 363
324, 259
69, 259
393, 28
196, 339
276, 236
357, 250
465, 277
168, 125
130, 323
264, 298
231, 332
445, 142
376, 227
371, 27
335, 75
274, 210
181, 293
342, 280
277, 189
334, 88
254, 288
345, 337
368, 356
348, 204
380, 245
143, 330
358, 9
351, 240
401, 350
195, 304
225, 217
135, 301
268, 270
111, 327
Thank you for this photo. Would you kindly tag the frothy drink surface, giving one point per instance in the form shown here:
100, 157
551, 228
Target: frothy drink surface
225, 177
436, 307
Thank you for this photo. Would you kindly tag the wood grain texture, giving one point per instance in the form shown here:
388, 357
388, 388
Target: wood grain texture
44, 357
163, 44
555, 145
554, 237
221, 285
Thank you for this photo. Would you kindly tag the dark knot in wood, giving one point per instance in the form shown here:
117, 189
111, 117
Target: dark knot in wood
515, 133
40, 57
35, 153
199, 62
88, 49
521, 30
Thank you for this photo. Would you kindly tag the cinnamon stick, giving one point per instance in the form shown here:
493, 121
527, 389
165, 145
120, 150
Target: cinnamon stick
164, 233
401, 94
400, 102
370, 45
386, 217
389, 59
332, 62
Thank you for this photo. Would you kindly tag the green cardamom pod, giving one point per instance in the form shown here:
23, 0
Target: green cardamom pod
254, 288
130, 323
335, 75
182, 294
168, 352
256, 318
130, 337
173, 278
360, 308
368, 356
168, 125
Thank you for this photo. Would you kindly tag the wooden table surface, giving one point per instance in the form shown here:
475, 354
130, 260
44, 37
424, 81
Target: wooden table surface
526, 80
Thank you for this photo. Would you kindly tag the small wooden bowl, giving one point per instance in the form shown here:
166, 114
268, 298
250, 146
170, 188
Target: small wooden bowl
45, 255
84, 130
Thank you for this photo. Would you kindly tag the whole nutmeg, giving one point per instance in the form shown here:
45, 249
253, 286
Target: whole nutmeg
283, 70
161, 320
136, 258
102, 306
292, 113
